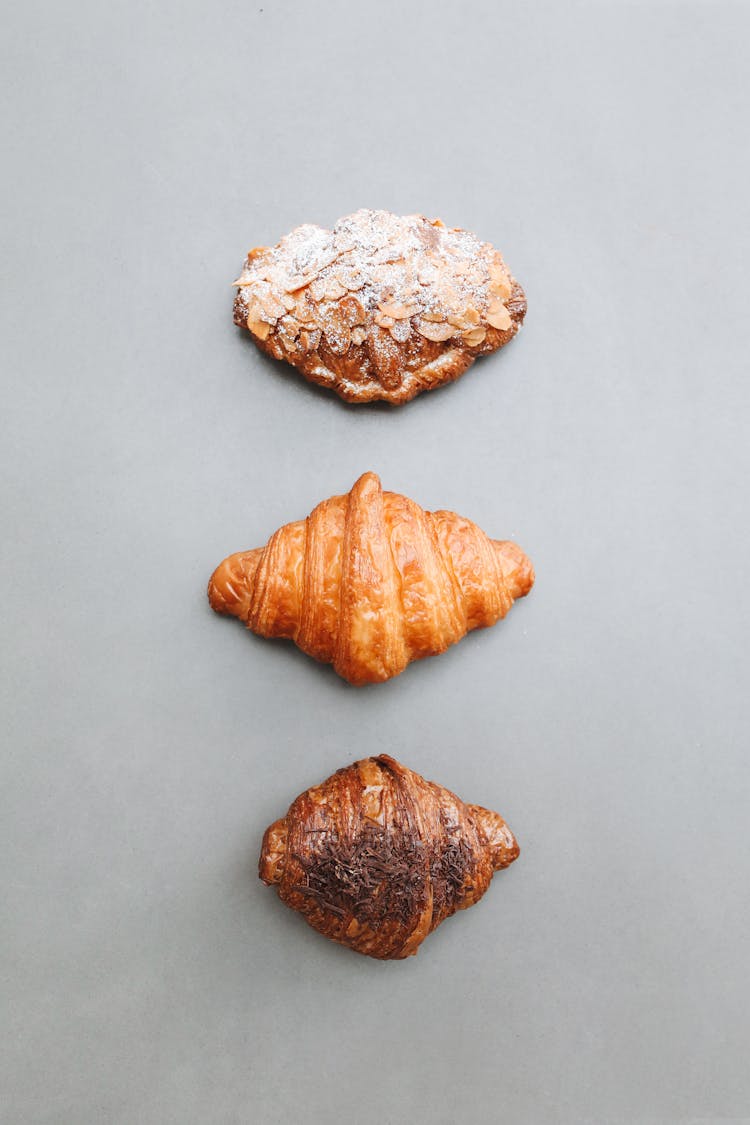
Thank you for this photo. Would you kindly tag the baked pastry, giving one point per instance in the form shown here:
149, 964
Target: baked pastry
376, 857
370, 581
380, 307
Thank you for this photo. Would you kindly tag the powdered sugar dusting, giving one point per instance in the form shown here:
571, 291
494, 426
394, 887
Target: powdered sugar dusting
375, 295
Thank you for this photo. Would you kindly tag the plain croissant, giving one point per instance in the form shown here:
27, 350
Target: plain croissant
376, 857
370, 581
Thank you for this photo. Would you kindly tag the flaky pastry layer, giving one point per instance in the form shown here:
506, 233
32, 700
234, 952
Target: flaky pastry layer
371, 581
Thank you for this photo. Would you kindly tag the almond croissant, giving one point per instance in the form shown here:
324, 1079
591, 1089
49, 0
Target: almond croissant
381, 307
370, 581
376, 857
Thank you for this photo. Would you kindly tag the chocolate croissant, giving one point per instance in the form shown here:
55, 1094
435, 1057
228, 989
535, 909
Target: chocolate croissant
380, 307
376, 857
370, 581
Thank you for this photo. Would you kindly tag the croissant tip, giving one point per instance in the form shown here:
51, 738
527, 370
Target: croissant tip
517, 568
518, 303
368, 478
230, 585
220, 588
497, 836
273, 853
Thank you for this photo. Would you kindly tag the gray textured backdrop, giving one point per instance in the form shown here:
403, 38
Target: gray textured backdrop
149, 977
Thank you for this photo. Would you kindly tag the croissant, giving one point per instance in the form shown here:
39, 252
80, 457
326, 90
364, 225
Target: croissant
370, 581
376, 857
380, 307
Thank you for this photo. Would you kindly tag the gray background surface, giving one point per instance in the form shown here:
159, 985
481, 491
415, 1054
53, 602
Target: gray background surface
148, 976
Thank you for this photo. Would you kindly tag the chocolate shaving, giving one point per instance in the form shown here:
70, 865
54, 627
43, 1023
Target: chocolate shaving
377, 876
449, 870
383, 875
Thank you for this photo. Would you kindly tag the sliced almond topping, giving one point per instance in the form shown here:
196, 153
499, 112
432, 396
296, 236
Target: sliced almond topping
466, 319
388, 255
499, 281
498, 316
337, 331
500, 290
401, 331
434, 315
309, 340
359, 335
462, 320
435, 332
449, 296
254, 308
397, 311
286, 334
259, 328
303, 309
287, 301
383, 321
333, 290
322, 262
477, 278
475, 336
351, 311
352, 280
338, 339
296, 282
271, 307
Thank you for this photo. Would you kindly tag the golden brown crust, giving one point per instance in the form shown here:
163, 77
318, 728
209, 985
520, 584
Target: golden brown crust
380, 307
370, 581
376, 857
